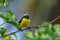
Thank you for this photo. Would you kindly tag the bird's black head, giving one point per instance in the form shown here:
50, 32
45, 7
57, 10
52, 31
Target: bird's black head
26, 16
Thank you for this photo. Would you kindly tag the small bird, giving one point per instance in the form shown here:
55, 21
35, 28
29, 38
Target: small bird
24, 21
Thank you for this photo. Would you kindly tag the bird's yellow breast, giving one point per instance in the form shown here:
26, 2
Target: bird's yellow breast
25, 22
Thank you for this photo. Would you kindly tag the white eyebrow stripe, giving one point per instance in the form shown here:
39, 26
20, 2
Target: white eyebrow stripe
26, 14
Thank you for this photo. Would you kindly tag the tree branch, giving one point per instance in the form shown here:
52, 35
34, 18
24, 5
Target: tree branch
28, 27
55, 19
18, 31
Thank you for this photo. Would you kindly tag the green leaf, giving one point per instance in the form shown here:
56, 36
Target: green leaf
15, 36
10, 12
5, 3
2, 31
36, 35
49, 29
45, 37
13, 23
10, 15
3, 16
7, 38
29, 35
42, 31
1, 2
56, 27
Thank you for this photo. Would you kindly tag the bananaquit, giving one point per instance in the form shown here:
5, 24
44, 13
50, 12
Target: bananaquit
24, 21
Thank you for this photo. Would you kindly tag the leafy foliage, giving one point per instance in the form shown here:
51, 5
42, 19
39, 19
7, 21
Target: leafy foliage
3, 16
3, 3
8, 19
11, 19
10, 15
3, 32
48, 32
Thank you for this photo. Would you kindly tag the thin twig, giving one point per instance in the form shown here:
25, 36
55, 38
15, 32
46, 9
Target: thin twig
18, 31
28, 28
55, 19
